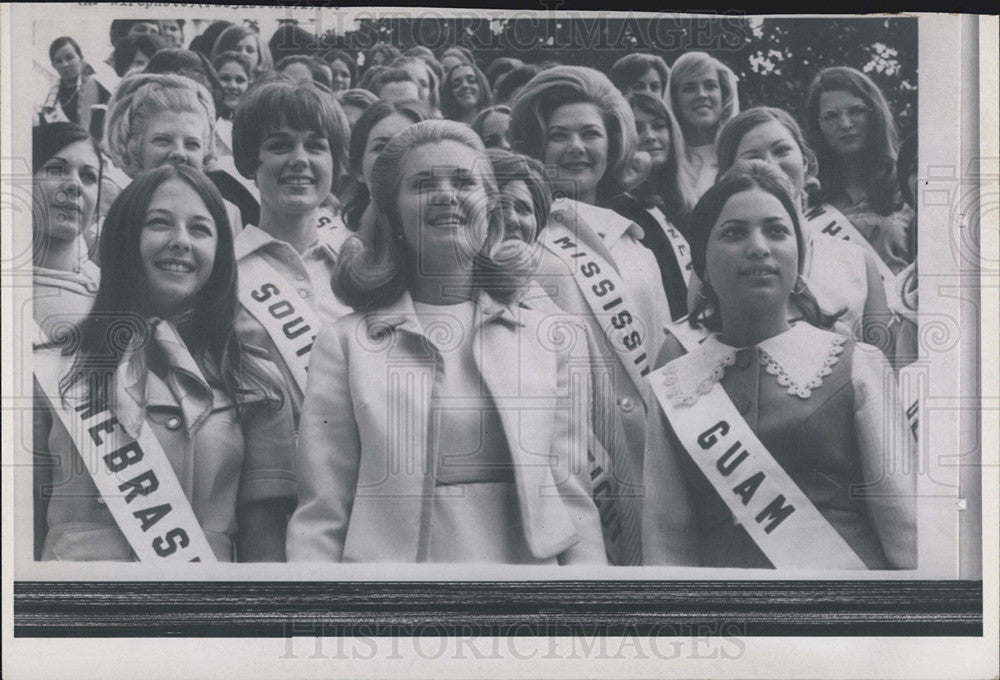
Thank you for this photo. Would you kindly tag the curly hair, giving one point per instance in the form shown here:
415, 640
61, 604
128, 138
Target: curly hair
140, 97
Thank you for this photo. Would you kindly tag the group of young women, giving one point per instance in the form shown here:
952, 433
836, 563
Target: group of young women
614, 322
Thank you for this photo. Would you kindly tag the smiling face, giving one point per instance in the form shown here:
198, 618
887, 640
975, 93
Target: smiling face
172, 32
234, 81
67, 63
576, 141
340, 76
751, 258
248, 46
495, 131
649, 83
654, 137
443, 206
773, 143
384, 130
65, 191
295, 172
518, 211
176, 247
843, 121
464, 87
699, 101
176, 137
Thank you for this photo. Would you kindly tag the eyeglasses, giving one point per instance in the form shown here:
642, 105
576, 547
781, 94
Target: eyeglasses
856, 114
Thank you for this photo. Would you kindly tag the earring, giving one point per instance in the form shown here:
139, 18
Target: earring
800, 285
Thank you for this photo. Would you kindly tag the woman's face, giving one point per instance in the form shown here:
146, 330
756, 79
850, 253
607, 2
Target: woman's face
496, 129
843, 120
518, 211
176, 137
752, 257
234, 81
143, 28
176, 247
772, 142
421, 76
139, 62
465, 87
67, 63
380, 134
295, 172
699, 100
443, 206
654, 137
649, 83
248, 46
65, 191
576, 140
172, 32
340, 76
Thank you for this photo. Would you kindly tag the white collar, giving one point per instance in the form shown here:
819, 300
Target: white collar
799, 358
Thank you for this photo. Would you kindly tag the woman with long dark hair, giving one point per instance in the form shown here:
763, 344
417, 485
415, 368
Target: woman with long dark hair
464, 93
775, 442
203, 412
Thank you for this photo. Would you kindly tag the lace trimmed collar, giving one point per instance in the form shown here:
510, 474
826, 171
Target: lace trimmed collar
799, 359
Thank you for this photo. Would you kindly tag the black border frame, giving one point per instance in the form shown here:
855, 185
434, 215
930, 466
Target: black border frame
545, 609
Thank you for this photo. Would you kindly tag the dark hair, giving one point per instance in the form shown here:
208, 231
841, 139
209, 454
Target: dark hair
391, 75
49, 139
746, 175
59, 43
479, 122
220, 60
514, 167
204, 43
276, 100
631, 67
358, 98
415, 110
509, 83
369, 76
387, 52
906, 161
882, 142
290, 40
346, 59
662, 188
129, 46
315, 68
462, 51
119, 314
449, 107
190, 64
120, 27
499, 67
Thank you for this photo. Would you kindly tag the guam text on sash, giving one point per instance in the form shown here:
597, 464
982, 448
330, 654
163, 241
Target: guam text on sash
763, 498
289, 321
134, 477
603, 289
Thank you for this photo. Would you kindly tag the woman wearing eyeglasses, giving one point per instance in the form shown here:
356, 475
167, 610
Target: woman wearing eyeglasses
854, 135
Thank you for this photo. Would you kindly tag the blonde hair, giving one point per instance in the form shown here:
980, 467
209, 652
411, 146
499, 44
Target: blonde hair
142, 96
374, 272
563, 85
686, 66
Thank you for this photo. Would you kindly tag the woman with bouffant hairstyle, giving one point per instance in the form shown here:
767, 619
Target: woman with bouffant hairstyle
434, 289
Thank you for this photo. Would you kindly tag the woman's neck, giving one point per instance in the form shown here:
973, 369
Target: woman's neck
443, 290
58, 254
299, 231
750, 327
701, 136
855, 179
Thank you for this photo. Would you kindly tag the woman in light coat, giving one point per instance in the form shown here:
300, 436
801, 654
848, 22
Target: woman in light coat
439, 423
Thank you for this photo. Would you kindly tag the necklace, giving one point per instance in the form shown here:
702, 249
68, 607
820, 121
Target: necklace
72, 95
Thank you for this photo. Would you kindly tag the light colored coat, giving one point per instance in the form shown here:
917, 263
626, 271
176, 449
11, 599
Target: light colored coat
364, 459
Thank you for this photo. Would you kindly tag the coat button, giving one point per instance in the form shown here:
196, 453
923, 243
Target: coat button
743, 359
100, 500
627, 404
173, 423
300, 277
303, 293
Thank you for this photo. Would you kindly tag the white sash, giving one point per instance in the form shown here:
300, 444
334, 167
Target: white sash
682, 251
289, 321
603, 289
826, 219
133, 476
686, 335
770, 506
